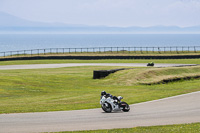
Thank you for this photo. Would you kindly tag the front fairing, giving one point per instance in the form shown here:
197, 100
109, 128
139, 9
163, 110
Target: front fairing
104, 99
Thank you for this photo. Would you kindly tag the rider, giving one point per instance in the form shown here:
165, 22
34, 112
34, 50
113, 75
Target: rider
103, 93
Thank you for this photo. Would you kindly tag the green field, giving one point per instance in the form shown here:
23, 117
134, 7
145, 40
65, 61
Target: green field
181, 128
178, 61
72, 88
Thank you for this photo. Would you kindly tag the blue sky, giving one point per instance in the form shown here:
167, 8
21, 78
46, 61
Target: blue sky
121, 13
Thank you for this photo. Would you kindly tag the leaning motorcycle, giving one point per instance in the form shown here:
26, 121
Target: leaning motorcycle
109, 104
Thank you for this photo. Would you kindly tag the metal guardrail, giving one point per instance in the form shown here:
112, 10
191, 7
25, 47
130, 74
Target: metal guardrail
133, 50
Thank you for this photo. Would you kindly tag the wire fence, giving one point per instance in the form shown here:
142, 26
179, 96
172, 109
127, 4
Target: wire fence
99, 50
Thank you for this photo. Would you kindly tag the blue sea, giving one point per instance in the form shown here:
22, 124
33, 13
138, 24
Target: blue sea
14, 42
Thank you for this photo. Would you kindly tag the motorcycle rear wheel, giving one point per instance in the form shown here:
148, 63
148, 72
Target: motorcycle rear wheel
125, 106
107, 109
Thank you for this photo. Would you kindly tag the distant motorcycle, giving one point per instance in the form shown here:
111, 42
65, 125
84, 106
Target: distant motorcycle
109, 104
150, 64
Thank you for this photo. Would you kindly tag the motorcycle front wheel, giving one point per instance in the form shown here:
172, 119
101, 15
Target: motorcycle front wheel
125, 106
106, 107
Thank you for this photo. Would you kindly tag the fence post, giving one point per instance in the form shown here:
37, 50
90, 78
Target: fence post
188, 49
44, 51
194, 49
159, 50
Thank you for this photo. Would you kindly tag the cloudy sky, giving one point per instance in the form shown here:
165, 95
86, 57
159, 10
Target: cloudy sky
122, 13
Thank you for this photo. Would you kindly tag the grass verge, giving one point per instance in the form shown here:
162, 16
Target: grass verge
180, 128
179, 61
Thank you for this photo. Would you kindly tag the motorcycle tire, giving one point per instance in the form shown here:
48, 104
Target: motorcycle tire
125, 106
107, 109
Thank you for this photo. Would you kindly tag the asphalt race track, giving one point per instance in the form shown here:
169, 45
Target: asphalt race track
39, 66
173, 110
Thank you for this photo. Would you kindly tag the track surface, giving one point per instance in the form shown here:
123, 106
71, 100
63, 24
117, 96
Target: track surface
175, 110
38, 66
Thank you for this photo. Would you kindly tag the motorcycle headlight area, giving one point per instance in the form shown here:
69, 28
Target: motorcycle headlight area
102, 100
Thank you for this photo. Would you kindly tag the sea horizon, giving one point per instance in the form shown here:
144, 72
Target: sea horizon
14, 42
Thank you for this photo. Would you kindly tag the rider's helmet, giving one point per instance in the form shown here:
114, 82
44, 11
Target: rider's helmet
120, 98
103, 93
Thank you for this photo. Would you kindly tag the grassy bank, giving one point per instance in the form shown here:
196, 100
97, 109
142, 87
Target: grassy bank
153, 75
181, 128
73, 88
179, 61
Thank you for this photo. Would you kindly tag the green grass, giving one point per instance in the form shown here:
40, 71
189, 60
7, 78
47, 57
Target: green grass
72, 88
180, 128
180, 61
152, 75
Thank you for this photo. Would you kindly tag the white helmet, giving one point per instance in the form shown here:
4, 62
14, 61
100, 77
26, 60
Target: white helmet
120, 98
